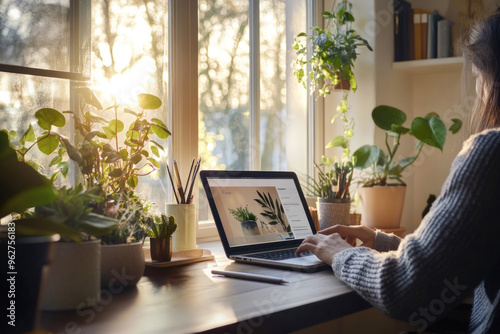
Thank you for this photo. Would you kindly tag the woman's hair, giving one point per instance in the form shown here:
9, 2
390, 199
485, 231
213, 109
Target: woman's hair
481, 49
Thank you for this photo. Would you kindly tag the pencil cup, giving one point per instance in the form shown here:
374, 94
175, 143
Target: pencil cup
184, 237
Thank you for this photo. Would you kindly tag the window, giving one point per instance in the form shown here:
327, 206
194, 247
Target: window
250, 112
43, 45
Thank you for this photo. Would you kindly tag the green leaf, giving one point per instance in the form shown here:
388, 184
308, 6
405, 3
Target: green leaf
73, 152
57, 159
48, 144
90, 135
456, 126
47, 117
132, 134
160, 131
148, 101
112, 157
136, 158
385, 116
366, 155
338, 141
159, 122
64, 166
110, 133
98, 225
116, 125
89, 97
123, 153
132, 181
155, 150
46, 226
154, 162
28, 136
117, 172
399, 129
431, 131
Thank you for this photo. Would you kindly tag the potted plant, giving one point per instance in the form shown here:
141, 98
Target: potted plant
334, 51
74, 278
332, 192
21, 187
382, 188
247, 219
70, 280
115, 153
160, 230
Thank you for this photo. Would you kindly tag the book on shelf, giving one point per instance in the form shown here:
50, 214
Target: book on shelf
402, 13
420, 32
444, 38
433, 19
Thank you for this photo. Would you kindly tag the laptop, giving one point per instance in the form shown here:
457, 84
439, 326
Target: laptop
261, 216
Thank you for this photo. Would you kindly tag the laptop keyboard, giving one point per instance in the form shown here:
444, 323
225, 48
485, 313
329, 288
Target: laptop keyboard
281, 254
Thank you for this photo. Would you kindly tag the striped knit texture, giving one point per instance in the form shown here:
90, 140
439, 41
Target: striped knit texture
454, 251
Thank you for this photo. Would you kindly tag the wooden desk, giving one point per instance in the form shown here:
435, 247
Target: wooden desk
188, 299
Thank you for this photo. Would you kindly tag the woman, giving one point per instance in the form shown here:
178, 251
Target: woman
455, 251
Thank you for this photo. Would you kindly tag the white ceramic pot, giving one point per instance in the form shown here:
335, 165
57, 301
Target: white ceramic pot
122, 264
382, 207
74, 277
332, 213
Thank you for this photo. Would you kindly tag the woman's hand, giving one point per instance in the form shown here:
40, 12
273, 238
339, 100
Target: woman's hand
324, 246
351, 233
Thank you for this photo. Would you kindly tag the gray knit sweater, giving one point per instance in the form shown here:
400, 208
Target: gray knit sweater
455, 251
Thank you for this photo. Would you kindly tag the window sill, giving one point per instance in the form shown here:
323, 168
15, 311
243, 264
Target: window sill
206, 231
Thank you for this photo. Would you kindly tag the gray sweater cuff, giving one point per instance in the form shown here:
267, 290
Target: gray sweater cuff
341, 258
386, 242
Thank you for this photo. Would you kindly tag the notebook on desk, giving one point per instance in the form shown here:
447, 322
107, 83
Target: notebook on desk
262, 217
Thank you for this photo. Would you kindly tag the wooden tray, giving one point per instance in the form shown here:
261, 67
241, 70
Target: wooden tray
180, 258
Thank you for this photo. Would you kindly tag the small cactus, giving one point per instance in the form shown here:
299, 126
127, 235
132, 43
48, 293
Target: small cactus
160, 226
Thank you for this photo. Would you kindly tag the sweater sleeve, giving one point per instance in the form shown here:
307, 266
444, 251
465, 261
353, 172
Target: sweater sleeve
448, 255
385, 242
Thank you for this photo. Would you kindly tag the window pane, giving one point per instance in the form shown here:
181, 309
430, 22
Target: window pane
224, 83
35, 33
21, 96
129, 41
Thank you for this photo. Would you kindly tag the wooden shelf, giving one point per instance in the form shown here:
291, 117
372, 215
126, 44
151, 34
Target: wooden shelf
427, 66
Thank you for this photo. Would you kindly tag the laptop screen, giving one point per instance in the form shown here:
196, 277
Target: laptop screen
257, 207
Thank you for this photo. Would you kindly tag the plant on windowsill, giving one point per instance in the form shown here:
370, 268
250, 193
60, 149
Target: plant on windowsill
109, 173
160, 230
381, 174
247, 219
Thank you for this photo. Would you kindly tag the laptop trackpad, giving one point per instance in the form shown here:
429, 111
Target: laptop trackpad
304, 260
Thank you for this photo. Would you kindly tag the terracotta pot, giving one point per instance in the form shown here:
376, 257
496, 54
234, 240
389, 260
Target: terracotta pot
74, 278
343, 84
161, 249
382, 207
332, 213
122, 260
